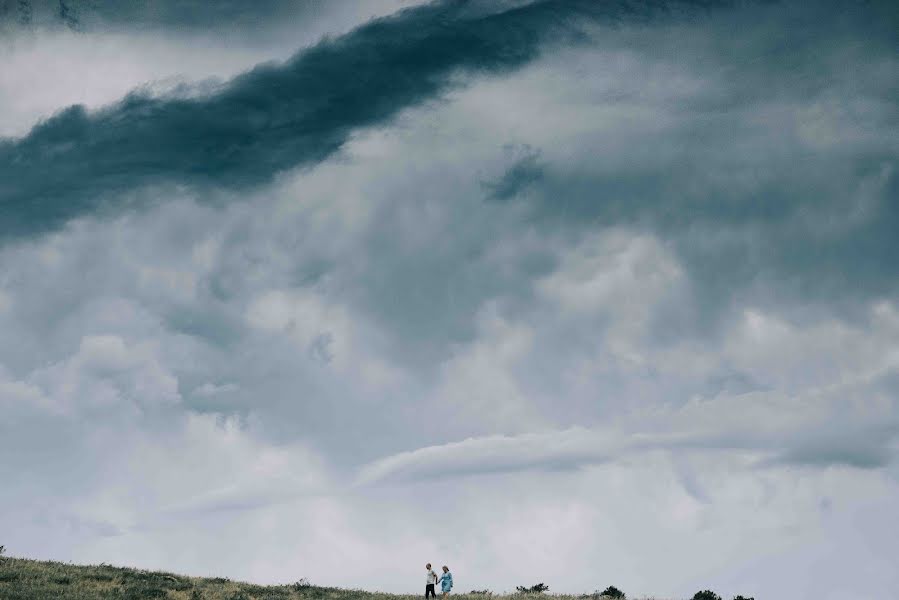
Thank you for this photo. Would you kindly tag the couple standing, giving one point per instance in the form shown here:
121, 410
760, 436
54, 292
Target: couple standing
445, 581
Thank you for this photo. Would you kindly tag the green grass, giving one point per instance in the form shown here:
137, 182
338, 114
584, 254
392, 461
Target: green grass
22, 579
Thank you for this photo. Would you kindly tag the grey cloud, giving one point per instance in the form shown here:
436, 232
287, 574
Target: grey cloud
274, 117
525, 172
844, 445
89, 15
769, 161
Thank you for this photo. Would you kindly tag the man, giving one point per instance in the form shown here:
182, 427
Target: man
432, 580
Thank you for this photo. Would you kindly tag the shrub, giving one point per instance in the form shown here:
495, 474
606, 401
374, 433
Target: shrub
538, 588
613, 592
742, 598
301, 585
706, 595
480, 593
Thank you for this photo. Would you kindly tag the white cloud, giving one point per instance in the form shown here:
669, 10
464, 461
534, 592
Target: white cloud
495, 454
620, 273
106, 373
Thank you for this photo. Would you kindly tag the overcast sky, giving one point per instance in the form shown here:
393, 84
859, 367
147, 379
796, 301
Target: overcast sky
584, 293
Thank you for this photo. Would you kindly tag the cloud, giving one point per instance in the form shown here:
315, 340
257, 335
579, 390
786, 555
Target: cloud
493, 454
641, 340
233, 18
864, 447
272, 118
842, 417
691, 133
80, 15
524, 172
138, 48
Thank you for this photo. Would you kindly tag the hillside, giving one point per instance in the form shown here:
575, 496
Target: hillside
22, 579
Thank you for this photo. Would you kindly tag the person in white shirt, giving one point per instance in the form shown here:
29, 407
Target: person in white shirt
432, 580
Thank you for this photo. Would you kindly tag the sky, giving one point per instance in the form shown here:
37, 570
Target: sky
583, 293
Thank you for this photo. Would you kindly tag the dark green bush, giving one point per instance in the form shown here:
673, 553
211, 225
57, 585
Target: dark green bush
613, 592
706, 595
538, 588
742, 598
301, 585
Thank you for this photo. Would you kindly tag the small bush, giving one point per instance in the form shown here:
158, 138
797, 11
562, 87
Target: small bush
613, 592
706, 595
8, 577
538, 588
480, 593
742, 598
301, 585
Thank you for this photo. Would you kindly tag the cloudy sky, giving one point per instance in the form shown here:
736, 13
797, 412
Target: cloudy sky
587, 293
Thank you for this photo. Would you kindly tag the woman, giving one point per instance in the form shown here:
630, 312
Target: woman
446, 581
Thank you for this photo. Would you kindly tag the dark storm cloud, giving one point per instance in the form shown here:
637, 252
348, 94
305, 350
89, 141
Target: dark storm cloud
87, 15
276, 116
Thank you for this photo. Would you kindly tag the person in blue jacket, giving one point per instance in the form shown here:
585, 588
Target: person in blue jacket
446, 581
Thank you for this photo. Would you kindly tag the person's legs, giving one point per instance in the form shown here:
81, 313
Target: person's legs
429, 591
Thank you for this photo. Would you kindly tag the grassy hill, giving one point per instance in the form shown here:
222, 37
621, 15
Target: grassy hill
22, 579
